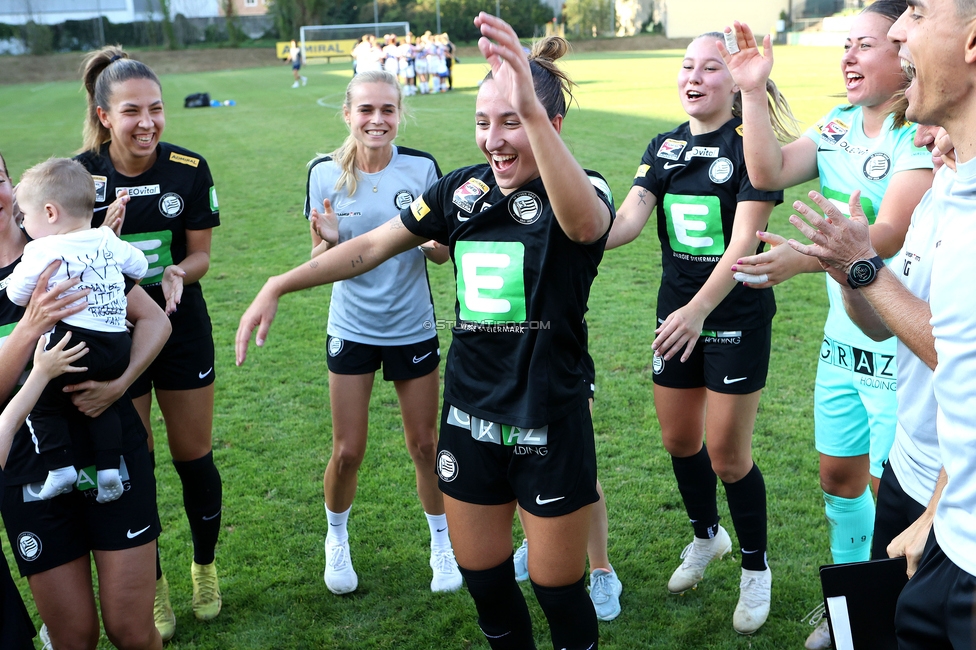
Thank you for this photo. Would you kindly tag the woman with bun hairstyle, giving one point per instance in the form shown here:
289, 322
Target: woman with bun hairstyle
383, 317
526, 232
170, 212
55, 540
712, 343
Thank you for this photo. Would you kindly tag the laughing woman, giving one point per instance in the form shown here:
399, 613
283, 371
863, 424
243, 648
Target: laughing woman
866, 145
526, 232
711, 351
170, 215
383, 317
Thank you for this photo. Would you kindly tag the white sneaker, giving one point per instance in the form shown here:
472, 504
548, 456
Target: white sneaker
522, 561
304, 80
819, 639
696, 557
753, 607
45, 638
446, 574
340, 577
605, 590
295, 85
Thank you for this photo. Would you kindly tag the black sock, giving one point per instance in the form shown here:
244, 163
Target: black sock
572, 620
502, 613
202, 496
697, 483
747, 505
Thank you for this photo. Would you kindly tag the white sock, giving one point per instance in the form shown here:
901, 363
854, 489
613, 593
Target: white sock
439, 538
109, 485
58, 481
337, 525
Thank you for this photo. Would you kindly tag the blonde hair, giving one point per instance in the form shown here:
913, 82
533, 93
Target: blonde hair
102, 71
61, 181
345, 155
781, 116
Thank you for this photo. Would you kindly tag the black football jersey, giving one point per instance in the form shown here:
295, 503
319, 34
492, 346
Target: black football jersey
522, 289
176, 194
698, 181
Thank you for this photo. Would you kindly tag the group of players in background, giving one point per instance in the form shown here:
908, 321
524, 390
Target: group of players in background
422, 64
516, 433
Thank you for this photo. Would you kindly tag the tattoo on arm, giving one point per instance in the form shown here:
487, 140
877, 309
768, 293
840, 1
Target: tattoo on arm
358, 260
313, 264
640, 195
396, 224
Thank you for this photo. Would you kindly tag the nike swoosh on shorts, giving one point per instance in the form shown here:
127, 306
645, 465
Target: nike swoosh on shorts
132, 535
204, 374
732, 381
540, 501
417, 359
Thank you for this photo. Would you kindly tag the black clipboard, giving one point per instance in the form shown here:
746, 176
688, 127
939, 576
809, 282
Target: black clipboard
860, 601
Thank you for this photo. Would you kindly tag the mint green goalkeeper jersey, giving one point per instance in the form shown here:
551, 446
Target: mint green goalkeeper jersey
848, 160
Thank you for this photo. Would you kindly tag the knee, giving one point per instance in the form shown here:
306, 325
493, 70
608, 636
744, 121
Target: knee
682, 446
841, 484
730, 469
131, 636
423, 449
346, 459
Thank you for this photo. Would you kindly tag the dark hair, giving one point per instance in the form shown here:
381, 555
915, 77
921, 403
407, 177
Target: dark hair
3, 166
890, 9
552, 85
102, 71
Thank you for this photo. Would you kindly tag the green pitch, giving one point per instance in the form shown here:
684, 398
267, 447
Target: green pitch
272, 429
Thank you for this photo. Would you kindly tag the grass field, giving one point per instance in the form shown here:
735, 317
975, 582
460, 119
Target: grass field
272, 431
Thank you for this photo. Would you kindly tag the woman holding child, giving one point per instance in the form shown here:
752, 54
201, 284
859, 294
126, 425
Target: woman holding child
54, 540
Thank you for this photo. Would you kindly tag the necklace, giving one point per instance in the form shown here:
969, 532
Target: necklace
379, 178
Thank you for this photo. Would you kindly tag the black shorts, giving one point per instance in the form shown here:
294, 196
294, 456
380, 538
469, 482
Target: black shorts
895, 512
400, 362
935, 609
47, 534
731, 362
181, 365
589, 375
550, 471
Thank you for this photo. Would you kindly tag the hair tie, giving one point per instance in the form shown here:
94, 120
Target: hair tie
114, 58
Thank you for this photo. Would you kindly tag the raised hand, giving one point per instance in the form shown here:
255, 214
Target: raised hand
57, 361
173, 287
769, 268
324, 225
509, 64
750, 69
837, 242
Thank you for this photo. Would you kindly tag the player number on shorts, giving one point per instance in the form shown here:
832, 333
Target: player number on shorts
694, 224
490, 284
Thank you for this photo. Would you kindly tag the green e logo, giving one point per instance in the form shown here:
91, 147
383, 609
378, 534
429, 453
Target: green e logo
694, 224
490, 282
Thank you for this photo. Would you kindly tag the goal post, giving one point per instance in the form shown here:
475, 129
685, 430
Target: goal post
327, 41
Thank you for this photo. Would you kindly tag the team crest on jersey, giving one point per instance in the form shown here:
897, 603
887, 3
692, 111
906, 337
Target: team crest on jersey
447, 466
721, 170
468, 194
642, 171
419, 208
525, 207
29, 546
739, 129
671, 149
171, 205
877, 166
335, 346
402, 199
702, 152
186, 160
834, 131
140, 190
101, 184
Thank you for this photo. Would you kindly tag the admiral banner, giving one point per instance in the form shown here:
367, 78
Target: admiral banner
319, 49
